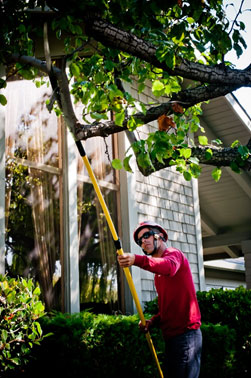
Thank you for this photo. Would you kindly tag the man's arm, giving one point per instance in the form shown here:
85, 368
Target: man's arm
167, 265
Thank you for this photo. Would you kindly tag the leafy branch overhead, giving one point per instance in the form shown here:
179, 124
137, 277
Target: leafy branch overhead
177, 48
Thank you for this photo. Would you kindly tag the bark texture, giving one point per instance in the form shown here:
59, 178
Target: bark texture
222, 157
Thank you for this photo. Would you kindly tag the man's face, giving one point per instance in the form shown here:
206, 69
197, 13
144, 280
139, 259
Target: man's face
146, 238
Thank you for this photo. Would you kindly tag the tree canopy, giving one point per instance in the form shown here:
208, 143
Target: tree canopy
178, 48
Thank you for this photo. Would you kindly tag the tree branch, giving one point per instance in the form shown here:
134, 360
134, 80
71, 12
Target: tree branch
186, 98
116, 38
222, 157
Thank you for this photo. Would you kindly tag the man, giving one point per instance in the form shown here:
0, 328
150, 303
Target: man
179, 315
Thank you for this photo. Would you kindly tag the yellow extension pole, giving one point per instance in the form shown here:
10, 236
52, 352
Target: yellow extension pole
119, 251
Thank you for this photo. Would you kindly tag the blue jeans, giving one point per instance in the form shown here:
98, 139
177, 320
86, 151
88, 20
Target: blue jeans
183, 354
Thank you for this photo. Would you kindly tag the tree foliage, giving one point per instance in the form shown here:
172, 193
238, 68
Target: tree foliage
178, 48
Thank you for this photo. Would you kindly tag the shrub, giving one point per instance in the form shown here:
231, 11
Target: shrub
218, 352
94, 346
64, 354
231, 308
20, 309
110, 346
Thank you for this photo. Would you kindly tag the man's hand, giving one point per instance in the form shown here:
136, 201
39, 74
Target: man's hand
126, 260
146, 327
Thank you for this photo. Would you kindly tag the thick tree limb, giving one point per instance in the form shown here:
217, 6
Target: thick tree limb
222, 157
116, 38
186, 98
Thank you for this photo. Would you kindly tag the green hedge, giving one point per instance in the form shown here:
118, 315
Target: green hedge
88, 345
218, 352
231, 308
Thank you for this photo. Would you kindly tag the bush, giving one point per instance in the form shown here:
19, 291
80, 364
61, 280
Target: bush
94, 346
233, 309
110, 346
64, 354
20, 309
218, 352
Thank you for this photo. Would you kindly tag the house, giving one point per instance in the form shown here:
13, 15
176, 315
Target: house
226, 273
52, 227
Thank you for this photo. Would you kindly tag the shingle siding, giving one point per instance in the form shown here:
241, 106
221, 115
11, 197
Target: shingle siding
168, 199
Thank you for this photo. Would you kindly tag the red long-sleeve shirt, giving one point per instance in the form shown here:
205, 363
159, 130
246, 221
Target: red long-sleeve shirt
178, 306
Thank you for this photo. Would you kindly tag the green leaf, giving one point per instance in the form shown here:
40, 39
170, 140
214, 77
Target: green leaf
131, 124
195, 170
126, 164
159, 157
117, 164
244, 152
15, 360
203, 141
216, 173
187, 175
100, 77
138, 146
208, 154
4, 335
157, 88
194, 127
217, 141
144, 160
114, 92
39, 329
3, 100
109, 65
186, 152
36, 291
119, 118
170, 59
98, 116
234, 166
75, 70
190, 20
22, 28
3, 83
235, 144
38, 307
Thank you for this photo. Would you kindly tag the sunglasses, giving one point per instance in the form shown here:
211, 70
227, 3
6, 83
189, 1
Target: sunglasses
146, 235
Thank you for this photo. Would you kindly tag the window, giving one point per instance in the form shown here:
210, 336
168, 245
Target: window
34, 202
97, 254
32, 218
